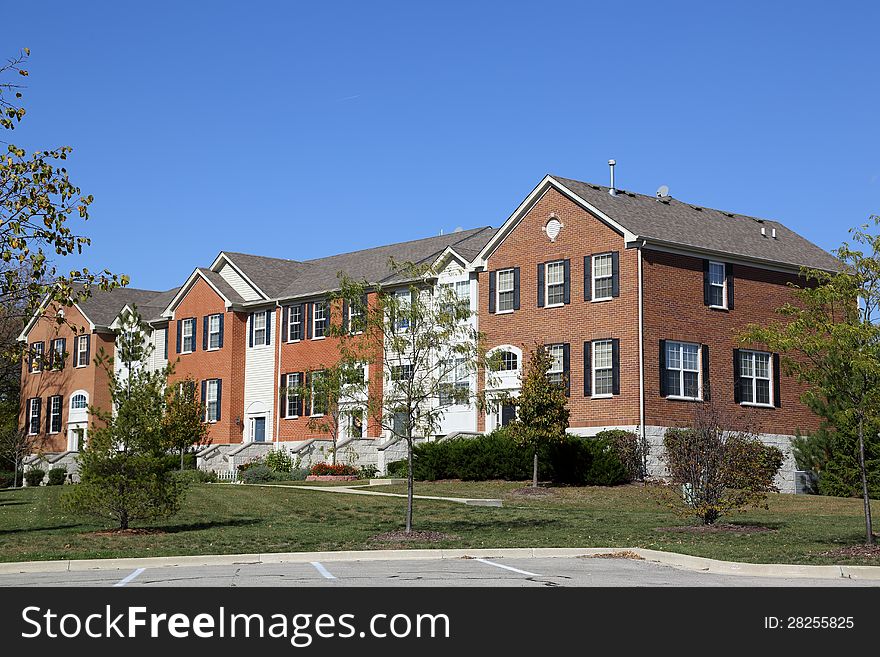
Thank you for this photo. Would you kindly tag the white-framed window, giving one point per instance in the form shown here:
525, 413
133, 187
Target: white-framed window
458, 293
37, 357
259, 320
455, 386
556, 373
294, 395
354, 375
213, 332
555, 283
755, 376
504, 302
355, 423
212, 400
82, 350
603, 368
717, 285
403, 309
317, 396
58, 353
509, 362
34, 416
79, 401
683, 370
294, 323
188, 336
319, 315
356, 317
603, 279
54, 411
402, 372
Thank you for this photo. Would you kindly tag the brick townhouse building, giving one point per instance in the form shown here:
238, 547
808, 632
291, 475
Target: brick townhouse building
639, 299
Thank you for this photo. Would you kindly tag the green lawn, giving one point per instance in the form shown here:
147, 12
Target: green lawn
243, 519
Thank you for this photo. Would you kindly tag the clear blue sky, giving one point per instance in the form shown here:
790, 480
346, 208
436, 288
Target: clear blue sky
299, 130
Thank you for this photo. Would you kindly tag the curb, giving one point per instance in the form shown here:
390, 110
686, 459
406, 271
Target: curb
672, 559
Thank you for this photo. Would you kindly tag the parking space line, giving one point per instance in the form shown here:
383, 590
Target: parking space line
320, 568
511, 568
128, 578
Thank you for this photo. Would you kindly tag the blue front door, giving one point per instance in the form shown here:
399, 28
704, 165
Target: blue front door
259, 429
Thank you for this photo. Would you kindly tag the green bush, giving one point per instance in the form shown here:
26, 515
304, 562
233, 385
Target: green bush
279, 460
57, 476
34, 476
196, 476
298, 474
367, 471
628, 447
396, 468
7, 479
257, 473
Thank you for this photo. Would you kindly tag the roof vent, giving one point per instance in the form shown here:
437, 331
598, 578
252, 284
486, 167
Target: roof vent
612, 190
763, 232
773, 233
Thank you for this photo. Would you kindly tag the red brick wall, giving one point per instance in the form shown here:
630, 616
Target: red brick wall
582, 234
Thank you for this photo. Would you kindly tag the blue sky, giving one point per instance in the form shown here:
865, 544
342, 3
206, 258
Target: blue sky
298, 130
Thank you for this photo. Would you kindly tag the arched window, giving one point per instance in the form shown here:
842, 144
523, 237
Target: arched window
509, 361
506, 358
78, 401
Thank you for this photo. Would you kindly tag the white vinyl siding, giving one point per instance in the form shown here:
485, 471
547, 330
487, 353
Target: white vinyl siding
260, 381
237, 283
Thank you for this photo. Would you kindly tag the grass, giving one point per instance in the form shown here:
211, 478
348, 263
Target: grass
232, 519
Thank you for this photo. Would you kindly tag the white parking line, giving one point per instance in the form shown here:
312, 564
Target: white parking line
511, 568
127, 579
320, 568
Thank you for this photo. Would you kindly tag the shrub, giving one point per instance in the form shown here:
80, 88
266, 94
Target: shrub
197, 476
586, 462
257, 473
242, 467
279, 460
57, 476
298, 474
325, 469
629, 449
396, 468
7, 479
34, 476
367, 471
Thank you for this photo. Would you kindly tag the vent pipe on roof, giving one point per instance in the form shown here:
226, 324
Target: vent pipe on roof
773, 233
612, 190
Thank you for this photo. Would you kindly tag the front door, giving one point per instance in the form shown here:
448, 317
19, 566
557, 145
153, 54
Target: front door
75, 439
258, 429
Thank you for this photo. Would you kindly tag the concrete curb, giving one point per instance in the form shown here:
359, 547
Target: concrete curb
672, 559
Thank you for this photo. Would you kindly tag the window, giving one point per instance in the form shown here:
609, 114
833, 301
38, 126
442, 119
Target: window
294, 323
603, 368
356, 423
188, 336
58, 348
603, 280
318, 397
402, 372
458, 293
37, 357
82, 351
320, 320
34, 416
556, 374
357, 317
400, 424
259, 320
683, 370
755, 375
505, 290
455, 386
555, 293
54, 414
212, 400
214, 332
293, 395
402, 309
354, 375
78, 402
717, 285
509, 362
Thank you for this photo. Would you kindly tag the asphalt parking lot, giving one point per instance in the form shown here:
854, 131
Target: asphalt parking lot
495, 572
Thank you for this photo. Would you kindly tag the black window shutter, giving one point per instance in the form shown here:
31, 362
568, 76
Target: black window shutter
306, 403
728, 271
516, 288
285, 315
662, 363
282, 395
588, 278
705, 282
299, 382
307, 318
30, 360
219, 397
566, 287
221, 331
541, 285
88, 349
777, 397
344, 322
737, 384
205, 397
251, 331
205, 333
707, 387
179, 334
615, 366
566, 368
615, 274
588, 371
491, 291
269, 317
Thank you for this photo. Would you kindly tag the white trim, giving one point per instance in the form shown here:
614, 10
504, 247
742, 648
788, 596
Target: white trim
169, 309
76, 351
498, 290
771, 377
593, 368
681, 369
183, 336
593, 276
210, 348
723, 285
225, 257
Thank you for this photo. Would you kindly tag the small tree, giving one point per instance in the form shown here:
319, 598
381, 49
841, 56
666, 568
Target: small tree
183, 423
542, 409
15, 446
720, 469
125, 471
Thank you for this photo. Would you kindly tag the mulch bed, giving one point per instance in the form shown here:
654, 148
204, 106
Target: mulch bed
401, 536
125, 532
528, 491
855, 552
718, 528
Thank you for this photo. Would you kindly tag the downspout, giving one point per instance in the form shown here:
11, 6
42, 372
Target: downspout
641, 349
276, 396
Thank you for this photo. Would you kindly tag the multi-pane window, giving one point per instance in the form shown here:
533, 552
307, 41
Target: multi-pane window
58, 354
509, 362
356, 423
54, 414
294, 395
37, 357
555, 281
188, 336
213, 331
295, 323
402, 309
505, 290
212, 400
603, 368
458, 293
400, 424
78, 402
455, 386
717, 285
556, 373
82, 350
602, 276
356, 317
33, 416
317, 393
319, 329
354, 375
259, 320
402, 372
683, 370
755, 374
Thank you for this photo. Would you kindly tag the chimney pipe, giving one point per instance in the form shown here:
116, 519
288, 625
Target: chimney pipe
612, 190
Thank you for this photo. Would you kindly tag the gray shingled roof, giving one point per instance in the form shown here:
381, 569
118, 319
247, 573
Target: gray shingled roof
102, 307
282, 279
691, 226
